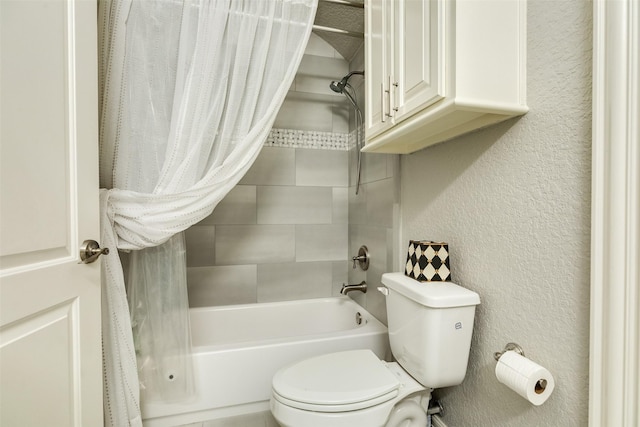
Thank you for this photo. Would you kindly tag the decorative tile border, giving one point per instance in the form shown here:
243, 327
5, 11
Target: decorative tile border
292, 138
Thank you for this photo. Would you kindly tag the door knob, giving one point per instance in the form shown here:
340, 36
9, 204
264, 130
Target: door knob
90, 251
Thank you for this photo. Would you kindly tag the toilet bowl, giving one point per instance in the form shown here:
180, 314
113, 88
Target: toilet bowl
347, 389
430, 327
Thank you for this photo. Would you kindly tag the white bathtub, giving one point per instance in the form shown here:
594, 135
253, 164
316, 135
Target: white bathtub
238, 348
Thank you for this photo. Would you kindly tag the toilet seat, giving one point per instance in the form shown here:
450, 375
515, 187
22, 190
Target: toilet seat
336, 382
335, 408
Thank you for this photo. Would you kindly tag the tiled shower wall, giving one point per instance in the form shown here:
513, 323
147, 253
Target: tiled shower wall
282, 232
373, 213
289, 228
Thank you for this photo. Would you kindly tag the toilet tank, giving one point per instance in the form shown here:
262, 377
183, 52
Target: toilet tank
430, 326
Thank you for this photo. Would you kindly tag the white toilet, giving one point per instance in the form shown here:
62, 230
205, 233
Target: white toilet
430, 326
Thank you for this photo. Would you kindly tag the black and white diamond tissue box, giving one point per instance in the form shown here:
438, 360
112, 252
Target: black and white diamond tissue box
428, 261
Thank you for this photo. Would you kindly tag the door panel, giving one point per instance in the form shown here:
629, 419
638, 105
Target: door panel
419, 57
34, 133
28, 357
50, 341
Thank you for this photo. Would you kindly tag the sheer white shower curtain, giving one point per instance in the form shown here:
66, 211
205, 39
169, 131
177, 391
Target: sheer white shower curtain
189, 92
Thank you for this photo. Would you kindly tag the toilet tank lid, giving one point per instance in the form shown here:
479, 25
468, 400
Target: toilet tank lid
431, 294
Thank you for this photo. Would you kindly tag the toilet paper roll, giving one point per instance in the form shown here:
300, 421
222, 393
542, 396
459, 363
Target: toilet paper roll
527, 378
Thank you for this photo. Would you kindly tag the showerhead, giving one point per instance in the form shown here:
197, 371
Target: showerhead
338, 87
347, 90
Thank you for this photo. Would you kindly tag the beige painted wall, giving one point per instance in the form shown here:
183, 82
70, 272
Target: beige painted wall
513, 202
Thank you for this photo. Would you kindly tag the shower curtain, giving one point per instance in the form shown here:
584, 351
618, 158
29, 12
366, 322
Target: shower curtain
189, 90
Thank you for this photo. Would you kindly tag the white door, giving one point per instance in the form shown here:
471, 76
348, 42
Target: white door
50, 351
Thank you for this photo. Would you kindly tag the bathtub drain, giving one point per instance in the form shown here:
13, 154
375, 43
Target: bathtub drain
358, 318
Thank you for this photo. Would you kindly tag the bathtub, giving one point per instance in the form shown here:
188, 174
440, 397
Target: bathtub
238, 348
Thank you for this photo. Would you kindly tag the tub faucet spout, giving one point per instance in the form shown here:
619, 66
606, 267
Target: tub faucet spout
362, 287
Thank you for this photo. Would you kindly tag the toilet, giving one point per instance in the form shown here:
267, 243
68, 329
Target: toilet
430, 327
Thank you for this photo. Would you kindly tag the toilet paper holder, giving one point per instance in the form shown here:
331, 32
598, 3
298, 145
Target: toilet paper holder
509, 347
534, 382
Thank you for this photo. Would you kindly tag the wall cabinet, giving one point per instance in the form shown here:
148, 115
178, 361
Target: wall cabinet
439, 68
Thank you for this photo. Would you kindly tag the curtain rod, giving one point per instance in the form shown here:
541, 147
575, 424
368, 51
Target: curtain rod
344, 3
338, 31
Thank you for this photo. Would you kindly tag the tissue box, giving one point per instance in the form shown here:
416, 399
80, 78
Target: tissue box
428, 261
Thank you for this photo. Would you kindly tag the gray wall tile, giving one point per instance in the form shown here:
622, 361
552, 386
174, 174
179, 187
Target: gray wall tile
254, 244
327, 168
297, 112
200, 242
274, 166
321, 242
374, 167
358, 205
238, 207
341, 111
393, 166
222, 285
296, 280
340, 210
294, 205
381, 198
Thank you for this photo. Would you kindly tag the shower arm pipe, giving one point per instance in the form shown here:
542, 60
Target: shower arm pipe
347, 90
358, 137
338, 31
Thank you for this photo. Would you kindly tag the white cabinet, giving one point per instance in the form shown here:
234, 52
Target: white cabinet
378, 66
403, 52
440, 68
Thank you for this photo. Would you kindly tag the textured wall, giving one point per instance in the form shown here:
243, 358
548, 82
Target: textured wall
513, 201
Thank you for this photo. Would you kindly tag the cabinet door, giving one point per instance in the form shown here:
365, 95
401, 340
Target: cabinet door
378, 65
419, 55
